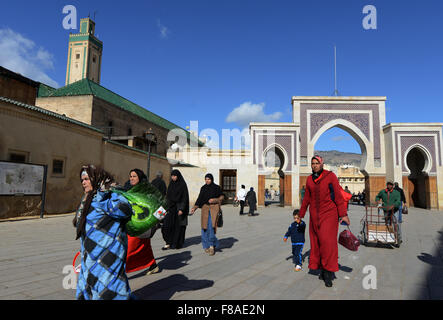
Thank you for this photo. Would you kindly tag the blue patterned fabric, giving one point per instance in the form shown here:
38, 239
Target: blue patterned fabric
104, 248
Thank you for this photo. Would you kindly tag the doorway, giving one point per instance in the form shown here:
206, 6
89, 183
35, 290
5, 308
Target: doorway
417, 193
228, 184
275, 179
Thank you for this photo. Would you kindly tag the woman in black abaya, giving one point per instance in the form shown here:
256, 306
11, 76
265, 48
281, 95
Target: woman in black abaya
176, 220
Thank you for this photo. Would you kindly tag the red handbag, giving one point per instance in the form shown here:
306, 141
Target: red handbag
346, 196
348, 240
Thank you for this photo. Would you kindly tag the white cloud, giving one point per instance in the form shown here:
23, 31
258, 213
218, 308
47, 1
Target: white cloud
249, 112
23, 56
164, 31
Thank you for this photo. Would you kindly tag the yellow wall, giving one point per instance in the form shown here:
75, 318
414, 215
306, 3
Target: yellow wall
75, 107
45, 138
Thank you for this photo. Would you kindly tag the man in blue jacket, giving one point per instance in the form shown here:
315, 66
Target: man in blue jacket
297, 233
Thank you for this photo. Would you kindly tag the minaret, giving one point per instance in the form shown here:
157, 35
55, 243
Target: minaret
84, 54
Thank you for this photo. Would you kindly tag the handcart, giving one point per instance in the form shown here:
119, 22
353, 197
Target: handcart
379, 228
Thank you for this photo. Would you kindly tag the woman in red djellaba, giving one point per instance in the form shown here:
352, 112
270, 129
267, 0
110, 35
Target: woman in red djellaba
140, 255
327, 208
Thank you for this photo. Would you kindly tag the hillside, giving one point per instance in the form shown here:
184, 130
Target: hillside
337, 158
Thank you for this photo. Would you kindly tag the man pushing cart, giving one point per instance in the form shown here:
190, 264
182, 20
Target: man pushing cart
386, 229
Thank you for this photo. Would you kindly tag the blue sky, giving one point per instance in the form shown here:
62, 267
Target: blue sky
204, 59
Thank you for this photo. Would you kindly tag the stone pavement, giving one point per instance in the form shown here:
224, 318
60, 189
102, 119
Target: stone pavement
252, 263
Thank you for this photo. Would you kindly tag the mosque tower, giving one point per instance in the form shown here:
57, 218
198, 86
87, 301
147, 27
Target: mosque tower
84, 54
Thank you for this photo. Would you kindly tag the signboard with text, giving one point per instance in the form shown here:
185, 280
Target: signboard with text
21, 178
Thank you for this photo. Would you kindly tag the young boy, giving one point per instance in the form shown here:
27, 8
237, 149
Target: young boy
297, 233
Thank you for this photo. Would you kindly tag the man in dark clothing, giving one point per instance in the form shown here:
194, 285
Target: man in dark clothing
389, 199
363, 197
400, 210
251, 199
159, 183
402, 194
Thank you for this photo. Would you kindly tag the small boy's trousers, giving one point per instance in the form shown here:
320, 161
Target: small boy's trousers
297, 249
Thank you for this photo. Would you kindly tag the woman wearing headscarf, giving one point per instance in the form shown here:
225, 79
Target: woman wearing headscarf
140, 255
176, 220
327, 208
251, 199
209, 200
100, 224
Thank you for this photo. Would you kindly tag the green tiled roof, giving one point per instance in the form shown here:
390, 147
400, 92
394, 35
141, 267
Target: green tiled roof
44, 90
58, 116
49, 113
88, 87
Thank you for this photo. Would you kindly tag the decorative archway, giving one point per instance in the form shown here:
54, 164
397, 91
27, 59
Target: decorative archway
418, 163
283, 137
276, 176
383, 146
350, 128
362, 117
427, 165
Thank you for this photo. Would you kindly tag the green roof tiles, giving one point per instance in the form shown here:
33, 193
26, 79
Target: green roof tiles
44, 90
88, 87
58, 116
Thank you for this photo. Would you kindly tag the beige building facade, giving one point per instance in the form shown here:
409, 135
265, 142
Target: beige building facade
230, 168
45, 137
407, 153
351, 177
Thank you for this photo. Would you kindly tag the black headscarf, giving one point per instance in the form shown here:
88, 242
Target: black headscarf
208, 191
177, 193
141, 177
100, 181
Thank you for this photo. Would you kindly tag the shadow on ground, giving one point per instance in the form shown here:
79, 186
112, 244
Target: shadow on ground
174, 261
226, 243
434, 277
169, 262
165, 288
306, 254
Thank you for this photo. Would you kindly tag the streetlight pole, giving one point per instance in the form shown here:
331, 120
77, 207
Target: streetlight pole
150, 136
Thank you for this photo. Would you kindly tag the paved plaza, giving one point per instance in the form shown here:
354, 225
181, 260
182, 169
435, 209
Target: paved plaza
252, 263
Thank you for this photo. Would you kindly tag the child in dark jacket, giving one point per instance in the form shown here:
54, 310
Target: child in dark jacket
297, 233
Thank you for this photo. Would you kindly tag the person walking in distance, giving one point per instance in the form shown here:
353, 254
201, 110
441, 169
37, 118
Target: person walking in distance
159, 183
240, 197
251, 199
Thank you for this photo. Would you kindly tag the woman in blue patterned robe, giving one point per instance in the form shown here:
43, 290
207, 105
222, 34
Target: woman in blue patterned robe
101, 227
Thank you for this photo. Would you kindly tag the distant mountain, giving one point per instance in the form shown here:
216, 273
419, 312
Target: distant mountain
337, 158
